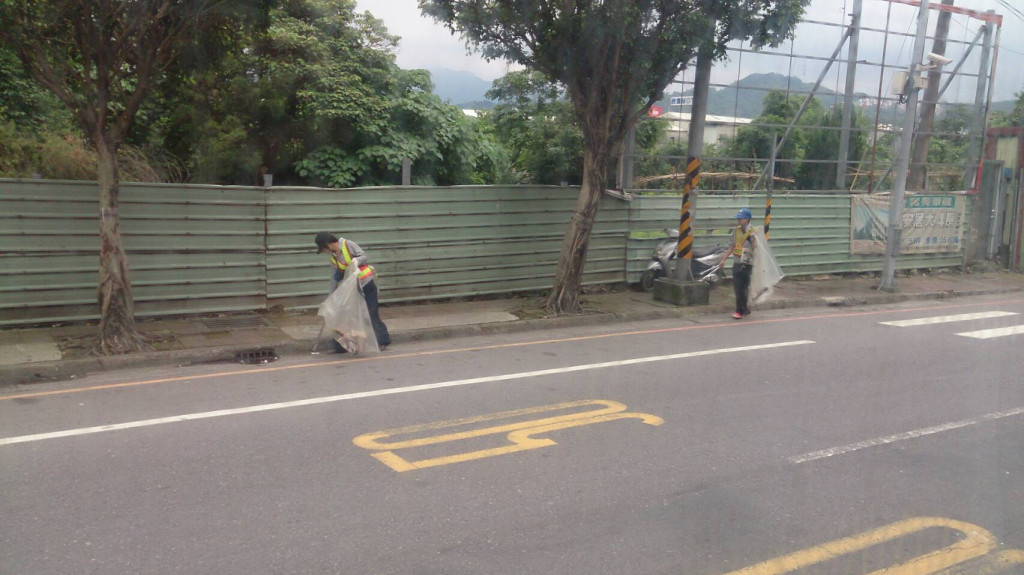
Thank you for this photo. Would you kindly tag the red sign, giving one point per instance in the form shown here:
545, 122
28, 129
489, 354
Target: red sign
654, 112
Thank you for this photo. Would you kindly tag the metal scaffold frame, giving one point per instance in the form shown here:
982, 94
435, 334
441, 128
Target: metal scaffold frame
872, 171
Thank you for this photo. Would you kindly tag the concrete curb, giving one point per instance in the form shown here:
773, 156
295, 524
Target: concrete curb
69, 369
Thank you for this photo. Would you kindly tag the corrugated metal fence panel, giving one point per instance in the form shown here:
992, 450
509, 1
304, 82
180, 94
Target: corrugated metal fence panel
191, 249
196, 249
429, 243
810, 234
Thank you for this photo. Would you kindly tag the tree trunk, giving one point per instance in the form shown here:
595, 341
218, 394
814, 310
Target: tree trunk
118, 333
565, 293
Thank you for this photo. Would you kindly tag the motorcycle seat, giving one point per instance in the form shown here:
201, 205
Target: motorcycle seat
700, 252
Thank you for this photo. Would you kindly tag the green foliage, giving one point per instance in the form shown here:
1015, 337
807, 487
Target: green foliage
315, 97
537, 125
817, 170
24, 102
615, 58
1017, 115
755, 141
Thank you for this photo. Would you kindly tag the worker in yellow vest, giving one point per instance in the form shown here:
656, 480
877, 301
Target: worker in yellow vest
743, 246
343, 254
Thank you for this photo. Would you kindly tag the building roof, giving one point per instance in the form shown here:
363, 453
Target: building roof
708, 119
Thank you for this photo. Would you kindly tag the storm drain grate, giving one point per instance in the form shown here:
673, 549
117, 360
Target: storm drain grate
235, 322
257, 356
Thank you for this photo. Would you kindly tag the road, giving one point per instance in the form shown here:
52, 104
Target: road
807, 441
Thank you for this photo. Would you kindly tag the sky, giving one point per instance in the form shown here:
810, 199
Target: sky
425, 44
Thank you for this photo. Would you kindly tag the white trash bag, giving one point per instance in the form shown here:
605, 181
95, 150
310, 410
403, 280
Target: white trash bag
347, 317
766, 272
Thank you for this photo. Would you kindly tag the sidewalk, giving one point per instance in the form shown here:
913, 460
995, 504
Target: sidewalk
62, 351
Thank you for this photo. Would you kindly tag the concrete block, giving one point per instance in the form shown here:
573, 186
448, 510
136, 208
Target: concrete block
681, 293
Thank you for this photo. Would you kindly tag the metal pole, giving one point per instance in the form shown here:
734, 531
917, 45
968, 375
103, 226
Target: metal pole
695, 147
988, 105
892, 238
995, 229
851, 77
626, 160
978, 123
807, 100
956, 69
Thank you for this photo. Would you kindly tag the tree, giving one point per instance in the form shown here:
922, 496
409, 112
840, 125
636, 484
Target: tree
537, 125
755, 141
817, 170
314, 97
615, 58
100, 58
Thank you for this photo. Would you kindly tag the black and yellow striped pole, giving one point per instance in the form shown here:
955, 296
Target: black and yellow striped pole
684, 249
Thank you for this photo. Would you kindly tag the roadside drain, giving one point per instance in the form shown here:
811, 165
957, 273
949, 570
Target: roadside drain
257, 356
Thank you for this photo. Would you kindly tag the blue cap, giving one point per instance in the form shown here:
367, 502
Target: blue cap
743, 214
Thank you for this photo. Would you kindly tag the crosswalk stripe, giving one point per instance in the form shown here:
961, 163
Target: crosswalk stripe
995, 332
947, 318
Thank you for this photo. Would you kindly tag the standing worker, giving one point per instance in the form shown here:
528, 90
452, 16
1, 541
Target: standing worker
343, 254
743, 246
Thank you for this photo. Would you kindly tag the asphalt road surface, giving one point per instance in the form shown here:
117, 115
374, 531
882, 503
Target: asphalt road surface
811, 441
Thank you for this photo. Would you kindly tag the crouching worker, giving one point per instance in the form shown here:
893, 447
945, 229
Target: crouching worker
343, 254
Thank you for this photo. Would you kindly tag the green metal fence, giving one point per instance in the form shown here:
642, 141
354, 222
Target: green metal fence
810, 234
191, 249
198, 249
204, 249
429, 243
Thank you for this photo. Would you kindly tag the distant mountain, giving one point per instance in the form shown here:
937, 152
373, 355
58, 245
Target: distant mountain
476, 105
457, 87
1003, 106
742, 99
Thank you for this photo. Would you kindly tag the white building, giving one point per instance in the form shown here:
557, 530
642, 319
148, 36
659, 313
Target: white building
715, 127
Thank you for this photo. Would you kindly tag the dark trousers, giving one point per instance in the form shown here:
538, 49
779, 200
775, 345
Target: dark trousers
741, 285
379, 329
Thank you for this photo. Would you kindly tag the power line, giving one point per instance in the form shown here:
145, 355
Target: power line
1014, 11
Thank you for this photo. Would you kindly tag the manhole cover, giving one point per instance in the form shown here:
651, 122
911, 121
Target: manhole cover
235, 322
257, 356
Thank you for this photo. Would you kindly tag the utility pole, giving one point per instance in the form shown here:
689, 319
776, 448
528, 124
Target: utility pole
691, 181
851, 77
917, 180
892, 238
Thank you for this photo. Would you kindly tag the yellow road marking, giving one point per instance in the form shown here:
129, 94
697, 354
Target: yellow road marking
992, 564
976, 542
221, 374
520, 433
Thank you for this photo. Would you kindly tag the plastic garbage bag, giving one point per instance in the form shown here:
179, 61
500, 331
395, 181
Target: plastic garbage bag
346, 316
766, 272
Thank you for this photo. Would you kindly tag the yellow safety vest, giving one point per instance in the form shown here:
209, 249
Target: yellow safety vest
737, 247
346, 258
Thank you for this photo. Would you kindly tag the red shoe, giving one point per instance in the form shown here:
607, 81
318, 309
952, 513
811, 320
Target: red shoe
737, 315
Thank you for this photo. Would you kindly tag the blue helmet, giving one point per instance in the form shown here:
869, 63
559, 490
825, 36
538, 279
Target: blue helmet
744, 214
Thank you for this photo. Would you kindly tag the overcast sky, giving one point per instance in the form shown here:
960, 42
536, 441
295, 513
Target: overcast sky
427, 45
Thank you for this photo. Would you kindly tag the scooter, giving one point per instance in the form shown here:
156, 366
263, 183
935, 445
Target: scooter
704, 265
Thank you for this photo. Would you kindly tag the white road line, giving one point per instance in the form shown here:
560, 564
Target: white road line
996, 332
389, 391
824, 453
947, 318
